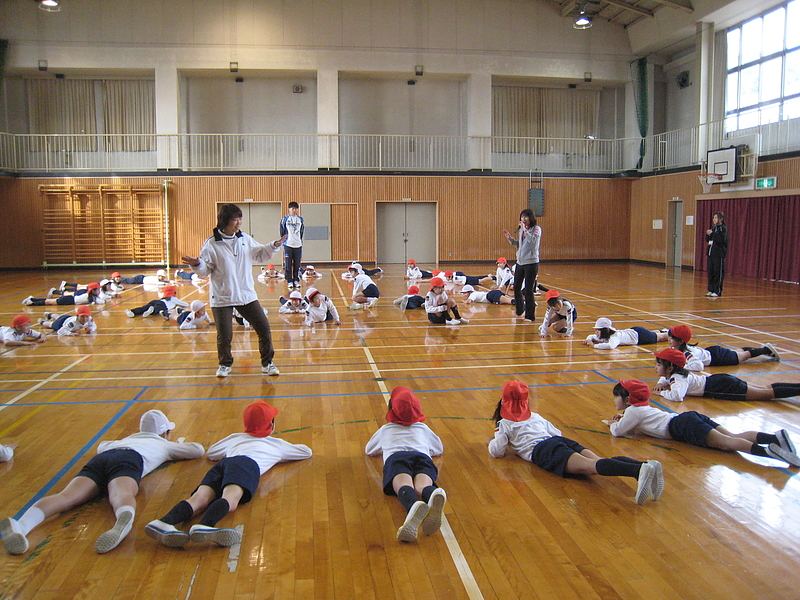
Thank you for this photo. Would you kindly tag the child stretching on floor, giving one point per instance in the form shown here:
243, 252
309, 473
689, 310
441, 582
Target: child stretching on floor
193, 318
243, 459
438, 305
89, 295
533, 438
605, 337
296, 304
20, 332
490, 297
166, 303
116, 471
270, 272
407, 445
560, 315
320, 308
714, 356
70, 325
633, 397
365, 292
411, 300
414, 272
675, 382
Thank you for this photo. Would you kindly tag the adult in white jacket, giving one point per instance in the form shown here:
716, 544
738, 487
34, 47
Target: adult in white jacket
226, 258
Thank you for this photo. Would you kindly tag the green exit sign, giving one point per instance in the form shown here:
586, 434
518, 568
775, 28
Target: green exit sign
766, 183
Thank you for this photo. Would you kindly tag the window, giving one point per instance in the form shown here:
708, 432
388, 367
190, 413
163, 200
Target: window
763, 69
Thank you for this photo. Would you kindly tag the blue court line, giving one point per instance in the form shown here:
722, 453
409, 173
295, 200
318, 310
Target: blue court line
55, 479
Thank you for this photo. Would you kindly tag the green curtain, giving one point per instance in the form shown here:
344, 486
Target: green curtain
639, 79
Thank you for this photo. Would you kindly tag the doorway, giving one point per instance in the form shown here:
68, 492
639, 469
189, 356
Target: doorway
675, 234
262, 220
406, 230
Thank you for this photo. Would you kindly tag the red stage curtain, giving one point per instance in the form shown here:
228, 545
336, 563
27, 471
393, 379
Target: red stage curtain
763, 236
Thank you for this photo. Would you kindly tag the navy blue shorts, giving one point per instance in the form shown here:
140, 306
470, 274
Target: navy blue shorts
415, 302
494, 296
553, 453
236, 470
722, 386
59, 322
645, 335
722, 357
691, 427
470, 280
182, 316
108, 465
371, 291
410, 462
439, 318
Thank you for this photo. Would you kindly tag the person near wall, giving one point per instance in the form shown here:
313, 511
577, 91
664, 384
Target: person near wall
527, 271
717, 238
292, 228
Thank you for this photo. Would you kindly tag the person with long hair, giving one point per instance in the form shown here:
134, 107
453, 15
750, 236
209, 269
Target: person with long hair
717, 238
527, 269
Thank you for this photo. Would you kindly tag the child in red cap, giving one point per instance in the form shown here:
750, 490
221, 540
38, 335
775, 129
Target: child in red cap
411, 300
243, 459
438, 305
633, 397
92, 294
560, 315
70, 324
535, 439
20, 332
166, 303
714, 356
407, 445
414, 272
675, 383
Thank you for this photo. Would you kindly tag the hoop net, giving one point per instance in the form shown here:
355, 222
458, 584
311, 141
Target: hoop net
707, 180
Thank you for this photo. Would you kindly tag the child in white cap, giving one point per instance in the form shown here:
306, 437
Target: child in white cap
471, 295
365, 292
605, 337
116, 470
320, 308
296, 304
194, 317
243, 459
311, 274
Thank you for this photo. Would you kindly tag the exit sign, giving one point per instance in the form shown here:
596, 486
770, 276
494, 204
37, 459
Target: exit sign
766, 183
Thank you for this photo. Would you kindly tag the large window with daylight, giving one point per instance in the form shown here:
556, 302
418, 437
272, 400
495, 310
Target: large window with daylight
763, 82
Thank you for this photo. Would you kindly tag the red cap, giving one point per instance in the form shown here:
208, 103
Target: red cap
170, 291
502, 261
682, 332
270, 266
515, 402
414, 289
20, 320
84, 310
639, 393
259, 419
437, 282
405, 407
436, 272
448, 273
551, 293
115, 274
93, 286
411, 261
676, 357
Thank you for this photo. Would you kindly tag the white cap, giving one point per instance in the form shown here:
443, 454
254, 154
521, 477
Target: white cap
467, 288
602, 323
309, 267
357, 267
155, 421
196, 305
104, 281
161, 273
295, 295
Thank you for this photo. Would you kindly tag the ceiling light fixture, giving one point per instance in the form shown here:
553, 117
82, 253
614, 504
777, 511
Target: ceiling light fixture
49, 5
582, 22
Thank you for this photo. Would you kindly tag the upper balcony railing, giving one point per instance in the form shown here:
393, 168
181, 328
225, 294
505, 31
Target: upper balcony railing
29, 154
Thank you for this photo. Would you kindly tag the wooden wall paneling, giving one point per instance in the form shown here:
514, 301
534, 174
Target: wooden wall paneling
344, 244
786, 170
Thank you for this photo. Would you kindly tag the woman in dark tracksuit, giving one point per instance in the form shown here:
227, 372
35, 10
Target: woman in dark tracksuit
527, 269
717, 238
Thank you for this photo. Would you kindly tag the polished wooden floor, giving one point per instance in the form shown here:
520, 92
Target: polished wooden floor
727, 526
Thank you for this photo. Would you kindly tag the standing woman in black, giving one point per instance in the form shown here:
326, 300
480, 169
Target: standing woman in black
717, 238
527, 269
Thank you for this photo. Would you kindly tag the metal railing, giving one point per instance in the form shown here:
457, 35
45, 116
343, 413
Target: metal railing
26, 154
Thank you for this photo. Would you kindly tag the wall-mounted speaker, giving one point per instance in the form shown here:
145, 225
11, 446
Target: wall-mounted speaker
297, 89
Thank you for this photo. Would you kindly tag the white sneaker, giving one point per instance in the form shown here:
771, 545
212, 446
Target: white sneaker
223, 371
129, 313
355, 306
644, 488
28, 301
222, 536
111, 538
150, 310
453, 322
415, 516
775, 356
51, 292
464, 321
776, 451
270, 369
713, 295
433, 520
372, 302
784, 441
167, 534
404, 302
397, 301
14, 541
658, 479
62, 285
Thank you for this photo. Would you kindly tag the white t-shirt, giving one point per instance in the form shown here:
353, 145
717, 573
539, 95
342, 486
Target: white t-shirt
154, 449
394, 437
267, 451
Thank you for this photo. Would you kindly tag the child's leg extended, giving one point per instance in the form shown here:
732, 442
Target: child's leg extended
403, 485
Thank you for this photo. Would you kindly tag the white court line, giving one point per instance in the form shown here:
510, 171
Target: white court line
459, 560
41, 383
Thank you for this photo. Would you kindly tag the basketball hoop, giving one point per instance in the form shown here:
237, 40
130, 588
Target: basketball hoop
707, 180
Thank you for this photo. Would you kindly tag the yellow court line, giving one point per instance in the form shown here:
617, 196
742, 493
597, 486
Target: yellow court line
41, 383
19, 422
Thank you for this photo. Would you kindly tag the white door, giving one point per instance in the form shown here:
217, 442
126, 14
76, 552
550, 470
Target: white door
675, 234
317, 233
262, 221
406, 230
